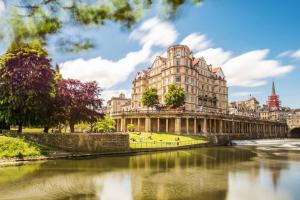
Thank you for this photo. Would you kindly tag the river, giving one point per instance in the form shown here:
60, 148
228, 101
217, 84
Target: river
232, 173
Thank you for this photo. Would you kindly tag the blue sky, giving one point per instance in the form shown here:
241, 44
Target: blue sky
254, 42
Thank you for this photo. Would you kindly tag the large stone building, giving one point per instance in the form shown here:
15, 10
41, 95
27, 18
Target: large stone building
206, 101
248, 107
205, 87
117, 104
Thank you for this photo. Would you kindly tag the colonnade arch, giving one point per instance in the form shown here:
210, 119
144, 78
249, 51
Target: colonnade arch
208, 125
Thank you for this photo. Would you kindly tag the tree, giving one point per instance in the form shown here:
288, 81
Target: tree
105, 125
131, 127
38, 19
26, 85
78, 102
175, 96
150, 97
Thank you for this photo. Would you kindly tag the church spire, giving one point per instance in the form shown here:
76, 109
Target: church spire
273, 89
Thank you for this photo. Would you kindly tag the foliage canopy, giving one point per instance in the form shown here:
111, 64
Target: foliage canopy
175, 96
150, 97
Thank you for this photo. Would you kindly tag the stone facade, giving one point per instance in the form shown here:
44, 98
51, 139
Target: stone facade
293, 122
87, 143
248, 107
117, 104
197, 123
205, 87
280, 114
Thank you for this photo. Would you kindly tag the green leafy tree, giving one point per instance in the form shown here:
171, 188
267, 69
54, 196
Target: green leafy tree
82, 126
150, 97
175, 96
131, 127
105, 125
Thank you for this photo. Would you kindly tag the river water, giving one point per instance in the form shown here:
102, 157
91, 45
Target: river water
233, 173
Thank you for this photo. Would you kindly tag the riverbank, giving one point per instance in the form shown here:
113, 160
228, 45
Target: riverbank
68, 155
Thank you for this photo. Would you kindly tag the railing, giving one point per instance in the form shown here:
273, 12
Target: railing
166, 144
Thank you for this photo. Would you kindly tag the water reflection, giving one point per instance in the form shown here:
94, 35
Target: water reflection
209, 173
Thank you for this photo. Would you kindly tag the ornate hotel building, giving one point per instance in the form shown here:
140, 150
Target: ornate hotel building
206, 101
205, 87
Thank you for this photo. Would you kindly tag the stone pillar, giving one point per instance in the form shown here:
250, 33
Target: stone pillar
158, 127
221, 126
123, 128
139, 125
147, 124
204, 125
187, 126
131, 120
195, 125
167, 125
210, 129
178, 125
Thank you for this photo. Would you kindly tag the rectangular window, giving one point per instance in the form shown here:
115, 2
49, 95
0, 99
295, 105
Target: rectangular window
186, 79
178, 53
177, 70
192, 81
177, 79
177, 62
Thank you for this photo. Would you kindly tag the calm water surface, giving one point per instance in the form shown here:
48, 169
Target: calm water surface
209, 173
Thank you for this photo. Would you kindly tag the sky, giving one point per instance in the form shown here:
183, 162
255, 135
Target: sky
255, 42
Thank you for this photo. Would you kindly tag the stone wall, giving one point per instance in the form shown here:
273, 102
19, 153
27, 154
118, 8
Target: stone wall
88, 143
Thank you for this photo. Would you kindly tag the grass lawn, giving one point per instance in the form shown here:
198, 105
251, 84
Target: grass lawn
154, 140
30, 130
16, 147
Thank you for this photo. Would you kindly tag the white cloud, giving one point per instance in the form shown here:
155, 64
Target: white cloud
196, 41
106, 72
247, 70
2, 7
214, 56
291, 53
285, 54
296, 54
251, 69
109, 73
155, 32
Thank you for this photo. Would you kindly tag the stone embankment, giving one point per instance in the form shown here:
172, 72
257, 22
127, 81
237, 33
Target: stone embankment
80, 142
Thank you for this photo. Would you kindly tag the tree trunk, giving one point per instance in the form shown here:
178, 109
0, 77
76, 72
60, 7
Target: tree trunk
59, 128
72, 130
46, 129
20, 128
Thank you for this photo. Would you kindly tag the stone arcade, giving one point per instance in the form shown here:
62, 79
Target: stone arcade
195, 123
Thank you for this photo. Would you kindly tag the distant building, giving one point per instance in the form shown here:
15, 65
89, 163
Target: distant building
273, 110
273, 101
117, 104
248, 107
279, 114
293, 122
205, 87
